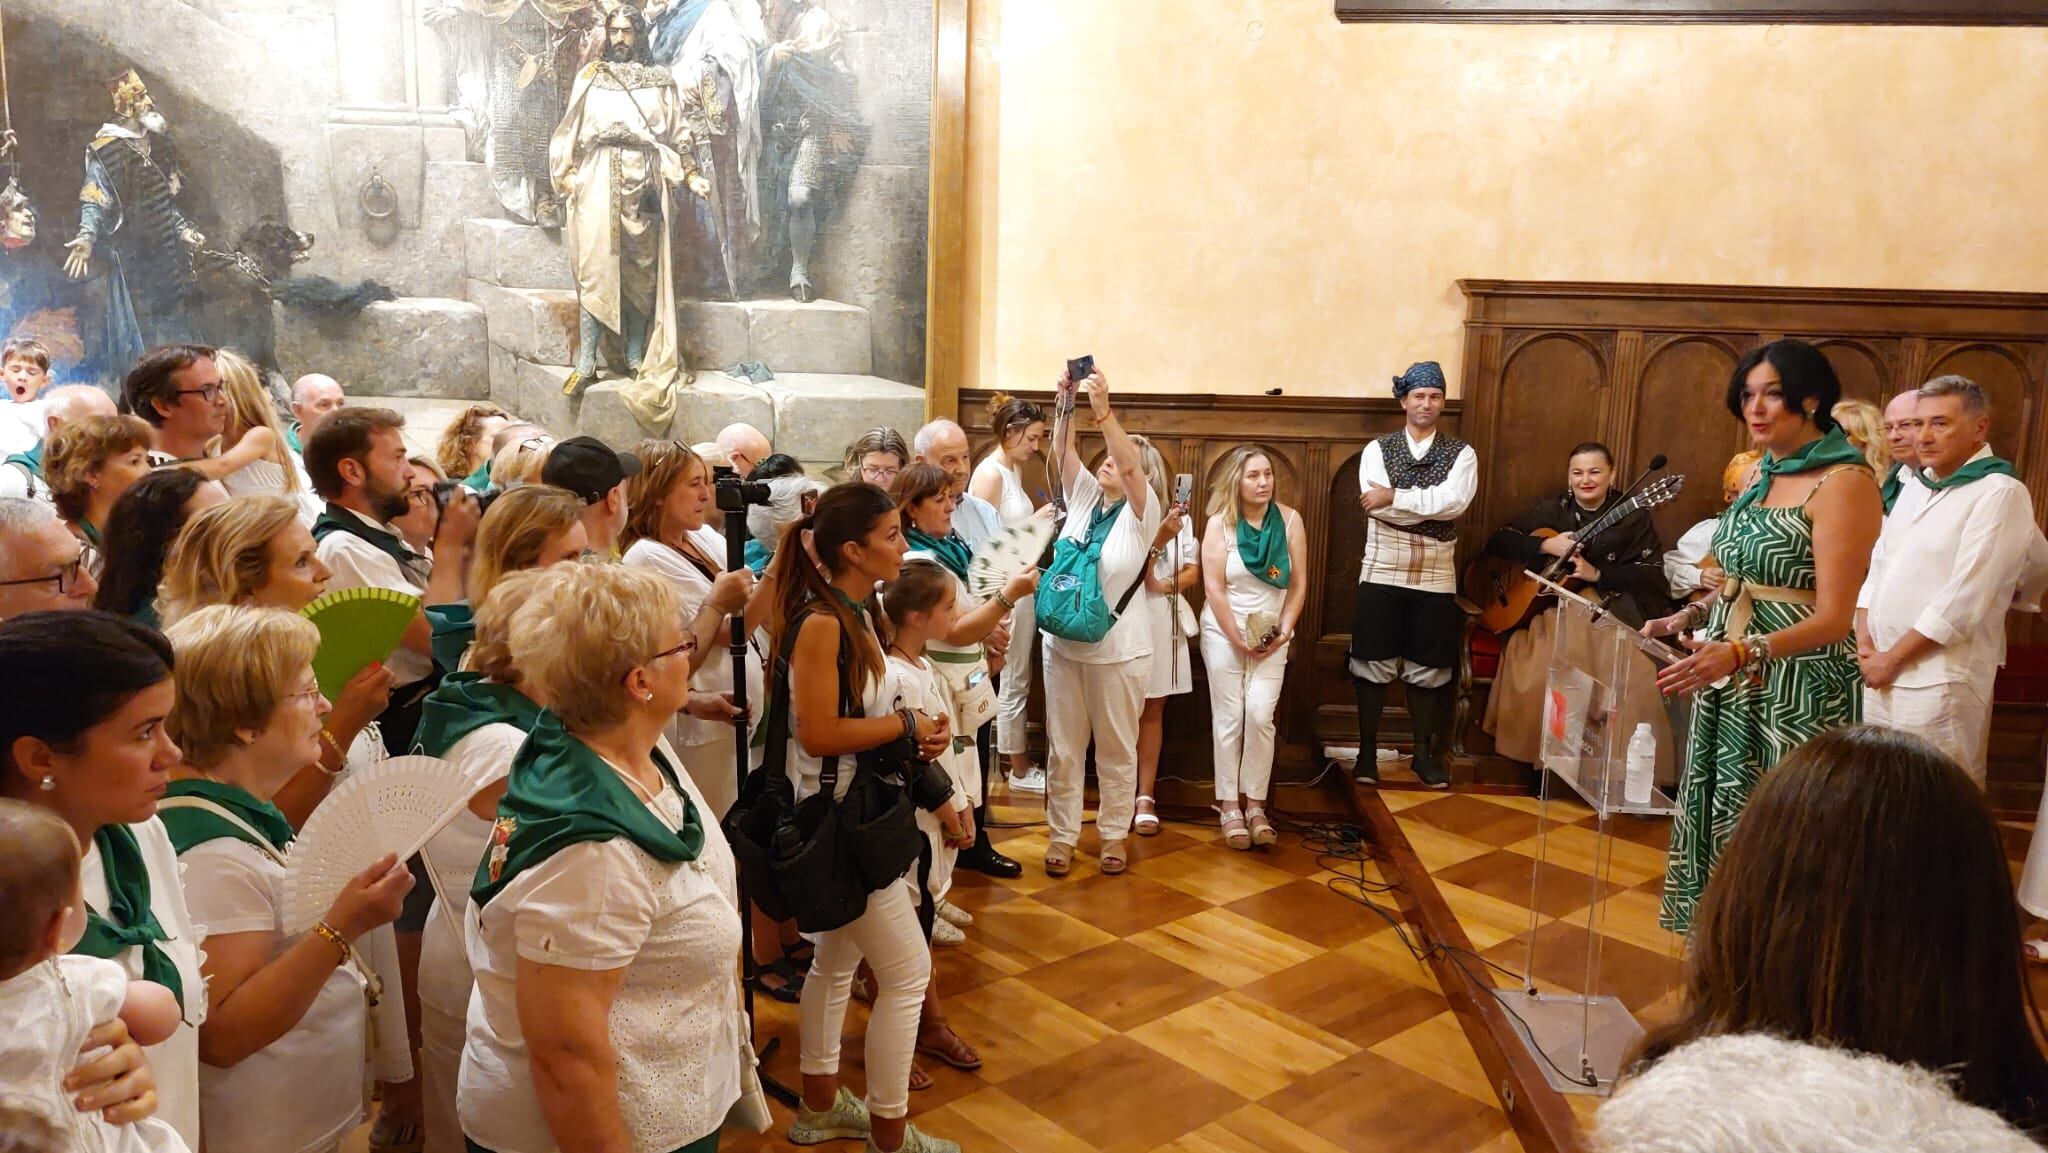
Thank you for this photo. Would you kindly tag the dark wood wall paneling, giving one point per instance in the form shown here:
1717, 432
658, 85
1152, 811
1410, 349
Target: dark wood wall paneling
1645, 368
1315, 444
1994, 12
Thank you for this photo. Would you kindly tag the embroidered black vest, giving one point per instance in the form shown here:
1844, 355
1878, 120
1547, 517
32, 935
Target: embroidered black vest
1404, 471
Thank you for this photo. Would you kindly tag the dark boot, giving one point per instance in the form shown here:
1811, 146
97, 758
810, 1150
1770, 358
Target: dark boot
1429, 713
1372, 702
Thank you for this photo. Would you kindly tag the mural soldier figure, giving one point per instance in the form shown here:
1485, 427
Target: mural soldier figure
129, 217
808, 99
617, 159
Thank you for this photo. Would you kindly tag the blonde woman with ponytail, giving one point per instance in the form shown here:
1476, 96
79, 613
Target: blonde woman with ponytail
250, 407
826, 607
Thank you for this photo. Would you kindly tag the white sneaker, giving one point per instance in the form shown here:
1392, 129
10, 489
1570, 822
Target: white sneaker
1031, 782
945, 932
948, 911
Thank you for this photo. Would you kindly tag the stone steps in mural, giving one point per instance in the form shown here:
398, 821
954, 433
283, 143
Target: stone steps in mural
414, 346
509, 254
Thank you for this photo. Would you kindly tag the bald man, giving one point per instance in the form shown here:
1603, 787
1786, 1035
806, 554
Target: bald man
21, 475
746, 445
1902, 426
313, 397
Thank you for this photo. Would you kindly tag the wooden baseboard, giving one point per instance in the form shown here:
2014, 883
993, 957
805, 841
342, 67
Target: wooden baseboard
1542, 1118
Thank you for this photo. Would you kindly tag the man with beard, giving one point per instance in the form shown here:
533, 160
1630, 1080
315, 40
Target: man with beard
358, 464
129, 217
621, 149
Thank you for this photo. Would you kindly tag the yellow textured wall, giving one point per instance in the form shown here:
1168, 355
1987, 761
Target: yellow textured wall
1234, 195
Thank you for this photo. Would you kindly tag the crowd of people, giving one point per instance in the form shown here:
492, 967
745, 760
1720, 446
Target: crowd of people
561, 966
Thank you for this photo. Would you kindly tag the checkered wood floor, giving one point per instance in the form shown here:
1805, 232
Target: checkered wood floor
1208, 1001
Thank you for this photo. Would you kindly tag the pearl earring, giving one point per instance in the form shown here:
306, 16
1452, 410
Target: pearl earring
49, 784
647, 698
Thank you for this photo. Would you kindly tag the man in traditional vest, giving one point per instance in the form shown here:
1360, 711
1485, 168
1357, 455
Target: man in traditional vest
1930, 620
1413, 485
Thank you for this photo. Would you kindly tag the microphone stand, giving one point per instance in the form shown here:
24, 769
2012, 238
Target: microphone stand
1555, 571
736, 559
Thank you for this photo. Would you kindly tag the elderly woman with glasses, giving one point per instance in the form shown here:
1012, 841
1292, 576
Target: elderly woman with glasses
603, 925
283, 1054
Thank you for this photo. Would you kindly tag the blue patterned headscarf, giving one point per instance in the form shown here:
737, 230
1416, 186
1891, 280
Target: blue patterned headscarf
1421, 374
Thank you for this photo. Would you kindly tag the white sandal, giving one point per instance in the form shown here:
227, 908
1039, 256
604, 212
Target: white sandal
1235, 834
1263, 832
1146, 822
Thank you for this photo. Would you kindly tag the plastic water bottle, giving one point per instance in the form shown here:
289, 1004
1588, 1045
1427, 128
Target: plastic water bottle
1640, 781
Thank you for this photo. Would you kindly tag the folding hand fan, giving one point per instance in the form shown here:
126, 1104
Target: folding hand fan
357, 626
1001, 556
392, 806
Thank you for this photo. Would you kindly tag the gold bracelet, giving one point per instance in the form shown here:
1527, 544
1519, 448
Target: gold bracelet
340, 754
328, 933
1003, 599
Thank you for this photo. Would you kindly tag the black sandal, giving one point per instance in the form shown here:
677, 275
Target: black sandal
790, 992
800, 954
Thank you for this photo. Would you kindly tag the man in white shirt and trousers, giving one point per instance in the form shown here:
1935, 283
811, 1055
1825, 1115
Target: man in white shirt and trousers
1413, 485
1930, 620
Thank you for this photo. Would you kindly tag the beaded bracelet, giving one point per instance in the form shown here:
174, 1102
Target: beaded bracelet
1755, 653
340, 754
332, 936
1003, 599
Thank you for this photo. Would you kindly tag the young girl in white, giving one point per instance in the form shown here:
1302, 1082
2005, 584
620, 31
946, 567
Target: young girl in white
1255, 584
50, 999
1171, 568
1019, 426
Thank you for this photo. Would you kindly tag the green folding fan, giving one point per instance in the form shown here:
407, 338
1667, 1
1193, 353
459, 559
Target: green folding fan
357, 627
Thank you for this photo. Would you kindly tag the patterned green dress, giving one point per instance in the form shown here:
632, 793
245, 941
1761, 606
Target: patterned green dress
1741, 730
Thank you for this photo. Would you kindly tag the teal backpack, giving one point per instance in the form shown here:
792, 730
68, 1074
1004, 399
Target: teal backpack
1071, 603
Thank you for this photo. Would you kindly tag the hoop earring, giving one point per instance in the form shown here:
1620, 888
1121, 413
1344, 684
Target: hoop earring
48, 784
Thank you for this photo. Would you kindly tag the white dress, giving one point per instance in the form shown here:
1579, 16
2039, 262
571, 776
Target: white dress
176, 1061
49, 1010
303, 1091
266, 478
917, 685
1013, 705
1013, 504
706, 746
1171, 620
676, 1024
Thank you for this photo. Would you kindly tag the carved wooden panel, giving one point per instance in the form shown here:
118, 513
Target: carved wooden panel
1647, 366
2013, 12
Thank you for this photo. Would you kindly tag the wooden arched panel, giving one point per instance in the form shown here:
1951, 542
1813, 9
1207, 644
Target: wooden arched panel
2004, 379
1859, 367
1683, 413
1552, 396
1286, 474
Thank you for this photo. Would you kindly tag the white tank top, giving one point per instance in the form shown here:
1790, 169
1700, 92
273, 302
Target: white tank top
1013, 504
1247, 593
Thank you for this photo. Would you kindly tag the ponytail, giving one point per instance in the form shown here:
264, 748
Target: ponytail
845, 513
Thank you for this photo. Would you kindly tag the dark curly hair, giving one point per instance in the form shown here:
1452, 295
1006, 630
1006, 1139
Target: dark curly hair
139, 533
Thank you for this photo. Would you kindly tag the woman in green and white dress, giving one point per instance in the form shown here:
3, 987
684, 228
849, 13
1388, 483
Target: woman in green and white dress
1775, 664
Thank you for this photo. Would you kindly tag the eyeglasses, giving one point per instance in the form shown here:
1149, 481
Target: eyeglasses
312, 694
66, 577
689, 645
211, 392
878, 475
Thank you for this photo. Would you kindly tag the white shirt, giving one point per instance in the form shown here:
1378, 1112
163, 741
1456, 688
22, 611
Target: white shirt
976, 520
176, 1061
21, 425
1123, 559
356, 563
1682, 563
713, 670
49, 1009
266, 477
485, 758
17, 481
1172, 672
807, 773
1404, 559
1946, 566
304, 1090
676, 1021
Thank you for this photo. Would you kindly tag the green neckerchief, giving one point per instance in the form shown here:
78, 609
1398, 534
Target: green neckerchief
757, 556
465, 702
1264, 549
148, 615
1832, 449
92, 535
562, 794
333, 520
454, 627
480, 480
1976, 470
1100, 517
1892, 485
32, 460
128, 902
948, 550
291, 437
195, 826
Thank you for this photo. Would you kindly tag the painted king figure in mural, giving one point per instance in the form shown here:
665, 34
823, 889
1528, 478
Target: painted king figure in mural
815, 135
129, 219
619, 159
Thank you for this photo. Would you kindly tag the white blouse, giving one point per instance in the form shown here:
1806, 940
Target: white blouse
303, 1091
265, 477
1123, 559
176, 1061
676, 1023
485, 757
49, 1010
713, 670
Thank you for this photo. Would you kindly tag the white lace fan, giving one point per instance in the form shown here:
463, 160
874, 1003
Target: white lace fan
1001, 556
392, 806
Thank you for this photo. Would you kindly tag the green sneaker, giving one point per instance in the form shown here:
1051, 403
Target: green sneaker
847, 1119
916, 1142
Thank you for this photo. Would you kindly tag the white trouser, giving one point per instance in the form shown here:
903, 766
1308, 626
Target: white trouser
1242, 704
1103, 702
1014, 700
1953, 717
891, 939
2033, 890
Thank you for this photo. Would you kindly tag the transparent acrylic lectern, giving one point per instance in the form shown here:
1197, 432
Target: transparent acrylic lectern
1602, 686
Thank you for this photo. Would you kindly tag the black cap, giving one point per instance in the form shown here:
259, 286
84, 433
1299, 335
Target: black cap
588, 467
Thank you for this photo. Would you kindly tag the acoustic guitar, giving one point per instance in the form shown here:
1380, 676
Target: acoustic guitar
1508, 596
